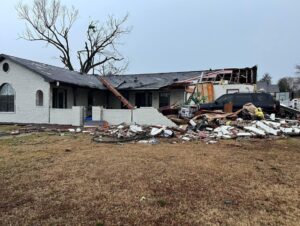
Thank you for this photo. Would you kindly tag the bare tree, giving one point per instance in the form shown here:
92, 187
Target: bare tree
51, 22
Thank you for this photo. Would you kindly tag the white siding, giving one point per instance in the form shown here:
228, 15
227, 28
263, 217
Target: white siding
219, 90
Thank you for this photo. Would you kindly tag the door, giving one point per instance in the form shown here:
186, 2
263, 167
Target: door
59, 98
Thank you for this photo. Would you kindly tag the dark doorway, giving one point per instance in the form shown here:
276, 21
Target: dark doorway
143, 99
164, 99
59, 98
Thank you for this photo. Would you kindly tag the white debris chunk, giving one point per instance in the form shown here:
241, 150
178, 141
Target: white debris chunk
186, 138
156, 131
135, 128
193, 123
297, 130
255, 130
224, 136
275, 125
272, 117
244, 134
266, 128
168, 133
286, 130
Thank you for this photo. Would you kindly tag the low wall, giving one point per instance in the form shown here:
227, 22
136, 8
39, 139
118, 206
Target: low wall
73, 116
141, 116
38, 115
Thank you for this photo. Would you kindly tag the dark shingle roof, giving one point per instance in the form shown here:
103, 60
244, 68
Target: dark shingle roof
131, 81
150, 81
52, 74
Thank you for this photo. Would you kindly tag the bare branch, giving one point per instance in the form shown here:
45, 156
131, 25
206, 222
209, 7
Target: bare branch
102, 42
49, 23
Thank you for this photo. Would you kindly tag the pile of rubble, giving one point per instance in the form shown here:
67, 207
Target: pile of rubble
209, 126
202, 130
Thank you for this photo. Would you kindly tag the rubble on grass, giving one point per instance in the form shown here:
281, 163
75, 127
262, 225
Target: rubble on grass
207, 126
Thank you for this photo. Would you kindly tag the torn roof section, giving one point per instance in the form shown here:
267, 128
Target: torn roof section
152, 81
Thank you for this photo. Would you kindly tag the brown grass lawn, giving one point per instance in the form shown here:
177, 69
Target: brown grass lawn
67, 180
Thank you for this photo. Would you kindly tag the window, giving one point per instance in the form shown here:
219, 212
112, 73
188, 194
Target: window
5, 67
143, 99
59, 98
229, 91
7, 98
164, 99
39, 98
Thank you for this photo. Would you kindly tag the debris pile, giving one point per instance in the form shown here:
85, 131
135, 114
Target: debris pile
209, 126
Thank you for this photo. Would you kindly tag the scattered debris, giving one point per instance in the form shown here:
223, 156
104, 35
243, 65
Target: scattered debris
208, 126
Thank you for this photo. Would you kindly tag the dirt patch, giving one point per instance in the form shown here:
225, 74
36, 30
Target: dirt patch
68, 180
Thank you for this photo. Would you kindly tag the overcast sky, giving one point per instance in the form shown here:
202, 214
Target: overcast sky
181, 35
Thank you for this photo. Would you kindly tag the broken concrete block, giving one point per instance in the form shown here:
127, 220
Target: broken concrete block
225, 136
255, 130
266, 128
244, 134
287, 130
275, 125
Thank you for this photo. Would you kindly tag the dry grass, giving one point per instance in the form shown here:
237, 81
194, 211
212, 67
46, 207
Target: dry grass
231, 183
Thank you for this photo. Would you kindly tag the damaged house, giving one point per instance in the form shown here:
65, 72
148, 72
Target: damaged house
33, 92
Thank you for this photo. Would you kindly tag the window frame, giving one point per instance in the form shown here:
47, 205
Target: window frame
56, 100
8, 67
14, 99
37, 98
169, 99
